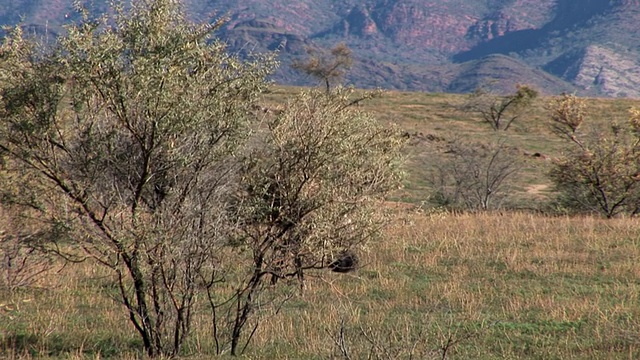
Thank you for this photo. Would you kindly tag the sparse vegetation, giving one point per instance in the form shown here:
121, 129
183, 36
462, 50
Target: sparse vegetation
328, 66
304, 192
508, 286
512, 284
474, 176
500, 111
601, 170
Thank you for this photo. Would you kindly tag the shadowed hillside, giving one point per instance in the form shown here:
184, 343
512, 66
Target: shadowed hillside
587, 46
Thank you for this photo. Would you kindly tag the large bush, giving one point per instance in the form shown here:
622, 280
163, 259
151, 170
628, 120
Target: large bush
141, 133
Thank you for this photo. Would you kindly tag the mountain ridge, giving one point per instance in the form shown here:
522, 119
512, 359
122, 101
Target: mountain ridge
582, 46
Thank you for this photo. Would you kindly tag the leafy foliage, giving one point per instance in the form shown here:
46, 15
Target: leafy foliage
328, 66
312, 186
131, 120
500, 111
601, 170
142, 135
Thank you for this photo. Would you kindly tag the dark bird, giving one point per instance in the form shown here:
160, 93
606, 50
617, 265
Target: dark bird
347, 261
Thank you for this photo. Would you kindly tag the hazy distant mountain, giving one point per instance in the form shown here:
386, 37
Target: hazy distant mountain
588, 46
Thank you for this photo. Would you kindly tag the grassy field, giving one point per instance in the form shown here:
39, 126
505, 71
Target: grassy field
426, 116
509, 285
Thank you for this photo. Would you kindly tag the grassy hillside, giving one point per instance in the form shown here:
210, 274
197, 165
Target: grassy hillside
431, 118
515, 286
437, 285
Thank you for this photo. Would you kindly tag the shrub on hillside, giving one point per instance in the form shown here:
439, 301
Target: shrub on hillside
600, 169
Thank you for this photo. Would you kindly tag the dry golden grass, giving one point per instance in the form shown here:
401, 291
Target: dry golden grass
559, 287
511, 285
505, 285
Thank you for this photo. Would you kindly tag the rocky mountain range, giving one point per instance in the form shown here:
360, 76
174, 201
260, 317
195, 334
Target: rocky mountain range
590, 47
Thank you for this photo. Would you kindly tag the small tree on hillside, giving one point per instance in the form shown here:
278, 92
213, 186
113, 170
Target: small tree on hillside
474, 175
328, 66
500, 111
600, 170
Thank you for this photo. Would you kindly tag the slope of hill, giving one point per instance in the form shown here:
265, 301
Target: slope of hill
500, 73
430, 45
600, 70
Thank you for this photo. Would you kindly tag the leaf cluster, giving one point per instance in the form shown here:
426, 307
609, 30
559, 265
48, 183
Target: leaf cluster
313, 183
600, 170
500, 111
328, 66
